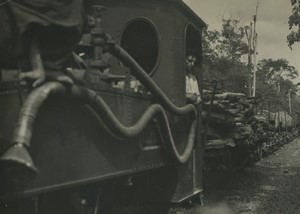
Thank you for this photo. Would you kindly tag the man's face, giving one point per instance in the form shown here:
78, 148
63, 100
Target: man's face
190, 63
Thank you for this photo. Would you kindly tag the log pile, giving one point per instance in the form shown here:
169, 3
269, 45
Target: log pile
236, 137
228, 116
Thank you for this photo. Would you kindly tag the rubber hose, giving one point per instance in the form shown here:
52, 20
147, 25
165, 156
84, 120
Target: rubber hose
93, 99
34, 101
149, 83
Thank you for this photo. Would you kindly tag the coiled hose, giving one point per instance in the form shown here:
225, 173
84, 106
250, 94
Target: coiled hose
155, 110
23, 131
149, 83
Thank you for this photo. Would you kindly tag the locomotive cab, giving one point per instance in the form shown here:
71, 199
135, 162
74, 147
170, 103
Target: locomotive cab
126, 117
157, 34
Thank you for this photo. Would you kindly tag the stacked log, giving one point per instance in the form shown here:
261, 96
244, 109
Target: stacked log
236, 137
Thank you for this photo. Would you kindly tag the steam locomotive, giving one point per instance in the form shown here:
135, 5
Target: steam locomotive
67, 148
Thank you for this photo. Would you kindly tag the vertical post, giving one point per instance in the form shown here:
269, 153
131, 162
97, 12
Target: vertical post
249, 36
269, 112
255, 50
275, 119
278, 118
290, 103
254, 65
285, 122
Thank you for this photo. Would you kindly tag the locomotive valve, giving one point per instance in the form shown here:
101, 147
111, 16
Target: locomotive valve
98, 37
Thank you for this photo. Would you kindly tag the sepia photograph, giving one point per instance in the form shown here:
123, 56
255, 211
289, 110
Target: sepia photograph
149, 106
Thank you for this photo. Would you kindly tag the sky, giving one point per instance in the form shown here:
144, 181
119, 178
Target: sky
271, 26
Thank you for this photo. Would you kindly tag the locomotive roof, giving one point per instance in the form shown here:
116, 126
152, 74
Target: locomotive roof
189, 12
185, 9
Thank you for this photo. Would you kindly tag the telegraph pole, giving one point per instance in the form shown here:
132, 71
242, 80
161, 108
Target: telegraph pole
249, 35
290, 103
254, 49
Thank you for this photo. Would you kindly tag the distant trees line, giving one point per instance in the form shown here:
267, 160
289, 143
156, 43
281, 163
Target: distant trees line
226, 59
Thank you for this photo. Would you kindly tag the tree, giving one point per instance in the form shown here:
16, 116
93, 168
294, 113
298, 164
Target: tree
210, 40
274, 83
232, 44
294, 23
274, 72
222, 58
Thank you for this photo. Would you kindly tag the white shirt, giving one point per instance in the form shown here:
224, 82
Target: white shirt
192, 89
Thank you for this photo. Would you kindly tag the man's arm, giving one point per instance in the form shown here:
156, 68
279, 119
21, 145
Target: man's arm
38, 73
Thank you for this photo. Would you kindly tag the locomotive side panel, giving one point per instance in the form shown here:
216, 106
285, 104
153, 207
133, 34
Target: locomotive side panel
72, 145
169, 25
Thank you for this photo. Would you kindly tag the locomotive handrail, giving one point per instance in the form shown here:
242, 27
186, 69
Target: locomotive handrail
23, 132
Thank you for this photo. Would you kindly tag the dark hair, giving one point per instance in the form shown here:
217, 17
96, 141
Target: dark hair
194, 53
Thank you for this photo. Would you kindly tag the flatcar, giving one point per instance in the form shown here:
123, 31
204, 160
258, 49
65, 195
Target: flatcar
123, 121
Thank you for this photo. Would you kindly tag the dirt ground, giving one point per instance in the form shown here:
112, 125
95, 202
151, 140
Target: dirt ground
271, 186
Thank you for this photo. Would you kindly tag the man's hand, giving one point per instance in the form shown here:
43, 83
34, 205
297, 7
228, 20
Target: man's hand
37, 76
194, 99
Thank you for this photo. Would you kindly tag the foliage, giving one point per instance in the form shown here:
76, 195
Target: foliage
277, 68
224, 61
294, 23
276, 73
223, 52
231, 43
274, 83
